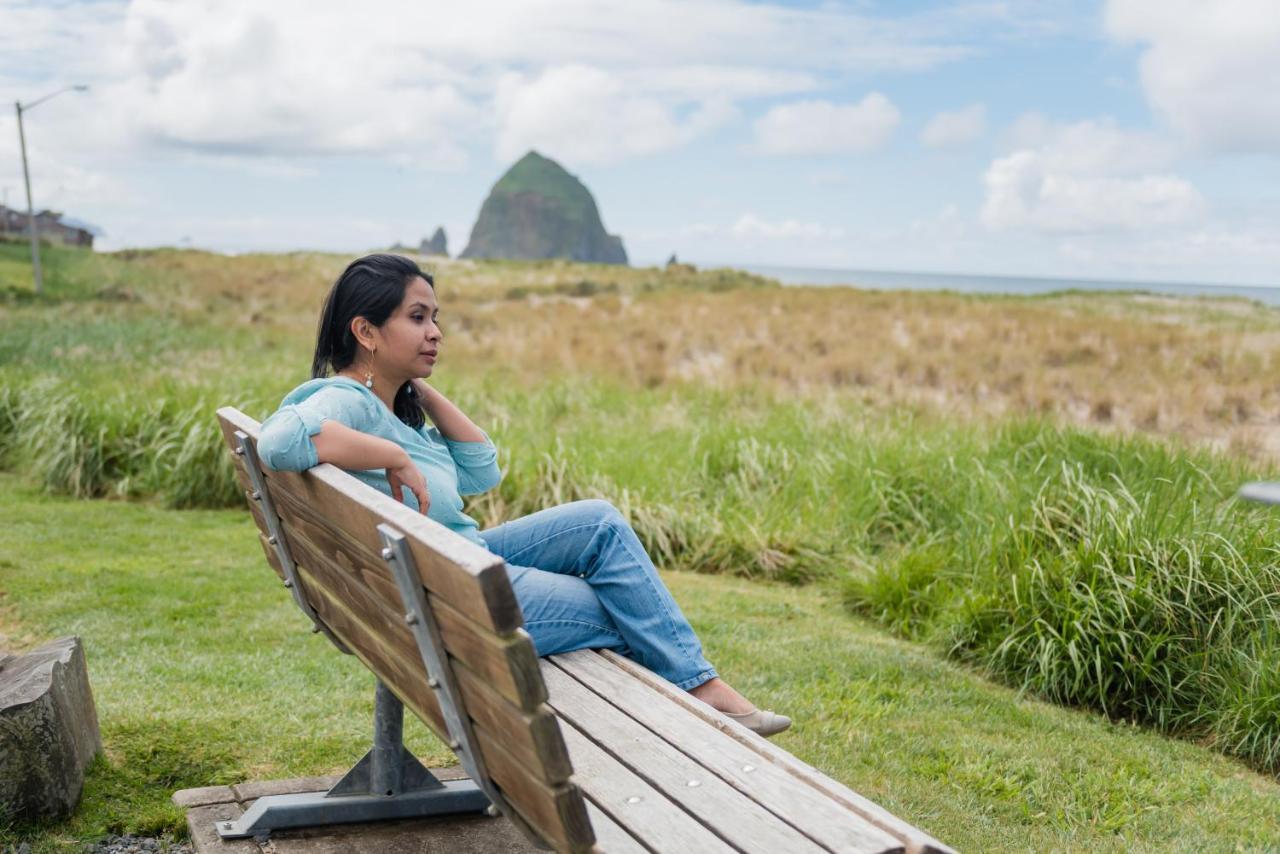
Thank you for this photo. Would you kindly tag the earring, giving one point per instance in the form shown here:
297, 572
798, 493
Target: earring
368, 371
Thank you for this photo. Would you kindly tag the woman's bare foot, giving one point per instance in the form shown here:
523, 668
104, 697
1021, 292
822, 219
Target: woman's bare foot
717, 694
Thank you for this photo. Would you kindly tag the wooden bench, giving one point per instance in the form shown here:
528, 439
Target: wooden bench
582, 751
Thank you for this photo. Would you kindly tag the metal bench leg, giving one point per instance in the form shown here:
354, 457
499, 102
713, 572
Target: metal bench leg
387, 783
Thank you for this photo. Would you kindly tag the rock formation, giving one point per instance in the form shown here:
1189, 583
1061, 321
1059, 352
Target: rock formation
437, 244
538, 210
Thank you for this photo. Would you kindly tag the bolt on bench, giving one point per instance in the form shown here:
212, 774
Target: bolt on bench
583, 751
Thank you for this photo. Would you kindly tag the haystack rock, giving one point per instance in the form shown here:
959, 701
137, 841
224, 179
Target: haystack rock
538, 210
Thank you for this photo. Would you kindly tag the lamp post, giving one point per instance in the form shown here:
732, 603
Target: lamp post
26, 174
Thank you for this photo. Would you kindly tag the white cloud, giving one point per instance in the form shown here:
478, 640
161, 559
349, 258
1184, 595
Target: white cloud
1093, 146
386, 78
956, 127
1211, 69
58, 182
1085, 177
1022, 194
252, 79
751, 227
59, 41
1215, 253
821, 127
246, 232
586, 115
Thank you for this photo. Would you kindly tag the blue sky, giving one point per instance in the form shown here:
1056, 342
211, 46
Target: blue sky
1121, 139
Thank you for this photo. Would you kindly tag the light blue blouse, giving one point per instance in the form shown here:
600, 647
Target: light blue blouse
452, 469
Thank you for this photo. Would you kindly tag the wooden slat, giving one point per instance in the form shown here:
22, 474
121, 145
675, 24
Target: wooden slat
479, 589
546, 756
639, 808
273, 560
510, 662
256, 512
916, 841
611, 838
532, 736
237, 461
468, 577
730, 813
544, 753
242, 475
557, 812
821, 819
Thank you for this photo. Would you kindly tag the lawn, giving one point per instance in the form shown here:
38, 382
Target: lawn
204, 672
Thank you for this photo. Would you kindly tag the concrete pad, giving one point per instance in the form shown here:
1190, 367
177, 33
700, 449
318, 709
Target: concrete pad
465, 834
203, 797
470, 834
251, 791
246, 793
204, 837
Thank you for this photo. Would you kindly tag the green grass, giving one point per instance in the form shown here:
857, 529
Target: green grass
204, 672
1104, 571
1121, 576
1098, 571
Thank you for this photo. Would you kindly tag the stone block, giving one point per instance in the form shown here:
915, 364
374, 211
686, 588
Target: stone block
48, 730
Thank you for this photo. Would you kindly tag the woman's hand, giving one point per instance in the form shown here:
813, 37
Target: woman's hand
406, 474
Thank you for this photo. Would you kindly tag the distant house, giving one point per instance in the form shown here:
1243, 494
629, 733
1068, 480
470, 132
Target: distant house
51, 225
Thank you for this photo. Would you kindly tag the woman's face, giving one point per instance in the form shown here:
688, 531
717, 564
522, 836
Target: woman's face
409, 342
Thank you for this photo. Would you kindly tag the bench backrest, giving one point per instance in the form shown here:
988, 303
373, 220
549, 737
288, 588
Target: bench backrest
330, 525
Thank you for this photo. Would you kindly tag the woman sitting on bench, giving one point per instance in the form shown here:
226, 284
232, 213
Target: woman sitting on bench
580, 574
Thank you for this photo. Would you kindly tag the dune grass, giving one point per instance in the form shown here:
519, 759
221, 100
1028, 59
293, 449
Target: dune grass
804, 436
1115, 573
204, 672
1119, 576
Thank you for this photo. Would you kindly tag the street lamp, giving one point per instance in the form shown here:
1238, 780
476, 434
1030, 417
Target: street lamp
26, 174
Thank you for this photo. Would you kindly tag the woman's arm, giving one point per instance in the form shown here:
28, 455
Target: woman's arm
449, 419
316, 430
350, 449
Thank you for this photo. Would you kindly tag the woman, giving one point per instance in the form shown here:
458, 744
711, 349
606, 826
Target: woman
582, 578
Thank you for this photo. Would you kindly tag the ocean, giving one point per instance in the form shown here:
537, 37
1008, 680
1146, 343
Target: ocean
895, 280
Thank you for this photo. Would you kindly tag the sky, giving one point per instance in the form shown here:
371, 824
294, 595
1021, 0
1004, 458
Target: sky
1130, 139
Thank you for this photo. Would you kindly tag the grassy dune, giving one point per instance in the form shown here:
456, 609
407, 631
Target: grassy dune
1038, 487
1199, 370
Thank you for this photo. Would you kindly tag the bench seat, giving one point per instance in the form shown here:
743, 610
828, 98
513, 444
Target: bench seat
669, 773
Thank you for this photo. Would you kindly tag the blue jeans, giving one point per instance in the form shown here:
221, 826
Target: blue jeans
584, 581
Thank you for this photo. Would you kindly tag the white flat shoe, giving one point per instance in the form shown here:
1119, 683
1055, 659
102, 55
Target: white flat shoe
761, 722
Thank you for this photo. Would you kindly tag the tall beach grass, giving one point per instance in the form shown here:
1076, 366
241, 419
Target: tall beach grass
1120, 576
749, 431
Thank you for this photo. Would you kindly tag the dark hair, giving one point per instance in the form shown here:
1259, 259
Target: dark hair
371, 287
